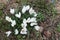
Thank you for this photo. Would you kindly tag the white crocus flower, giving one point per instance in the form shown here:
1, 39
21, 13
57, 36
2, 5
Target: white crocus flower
35, 14
32, 24
8, 33
37, 28
13, 23
28, 20
33, 19
25, 8
16, 32
31, 11
24, 25
8, 19
18, 15
12, 11
24, 21
23, 31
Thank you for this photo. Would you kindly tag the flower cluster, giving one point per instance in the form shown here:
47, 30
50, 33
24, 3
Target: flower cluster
13, 22
30, 20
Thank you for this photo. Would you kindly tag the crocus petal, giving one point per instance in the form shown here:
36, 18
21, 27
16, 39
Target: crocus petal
23, 31
8, 33
35, 14
8, 18
12, 11
37, 28
16, 32
27, 7
33, 19
18, 15
31, 11
28, 20
24, 25
23, 9
33, 24
13, 23
24, 21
